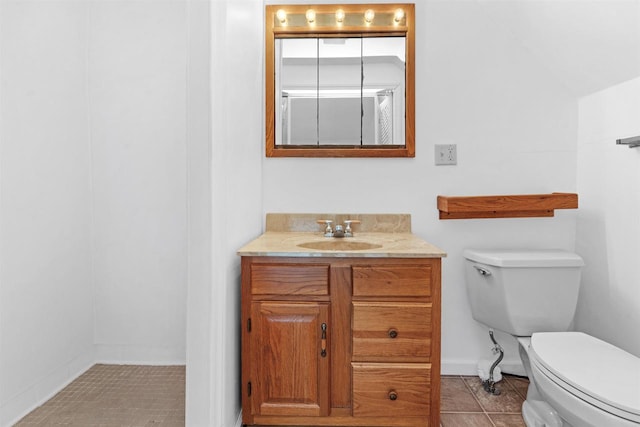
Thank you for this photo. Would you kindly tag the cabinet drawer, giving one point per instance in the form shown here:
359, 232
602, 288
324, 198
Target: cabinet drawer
390, 389
289, 279
400, 332
392, 280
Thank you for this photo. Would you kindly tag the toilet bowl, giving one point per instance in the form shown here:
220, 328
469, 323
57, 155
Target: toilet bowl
588, 382
575, 380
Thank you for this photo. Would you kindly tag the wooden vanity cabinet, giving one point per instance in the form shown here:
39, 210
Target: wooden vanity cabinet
341, 341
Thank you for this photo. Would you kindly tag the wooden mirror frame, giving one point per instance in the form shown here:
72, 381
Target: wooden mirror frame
273, 31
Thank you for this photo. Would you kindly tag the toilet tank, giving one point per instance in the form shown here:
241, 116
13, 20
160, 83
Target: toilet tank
522, 291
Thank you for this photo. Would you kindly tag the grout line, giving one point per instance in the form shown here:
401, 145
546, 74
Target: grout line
473, 394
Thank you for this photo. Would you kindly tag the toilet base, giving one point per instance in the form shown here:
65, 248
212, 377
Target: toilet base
537, 413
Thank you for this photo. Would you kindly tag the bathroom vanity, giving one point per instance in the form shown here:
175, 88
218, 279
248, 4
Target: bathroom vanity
340, 336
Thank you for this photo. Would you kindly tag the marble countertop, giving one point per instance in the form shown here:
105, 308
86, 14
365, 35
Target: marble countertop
389, 234
392, 245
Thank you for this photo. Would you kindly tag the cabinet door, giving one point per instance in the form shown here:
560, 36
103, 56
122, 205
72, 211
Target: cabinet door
290, 370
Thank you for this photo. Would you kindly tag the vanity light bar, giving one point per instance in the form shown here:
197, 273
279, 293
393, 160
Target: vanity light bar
281, 16
398, 15
339, 17
311, 16
369, 14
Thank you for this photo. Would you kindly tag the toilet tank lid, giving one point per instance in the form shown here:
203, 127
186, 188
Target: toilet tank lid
524, 257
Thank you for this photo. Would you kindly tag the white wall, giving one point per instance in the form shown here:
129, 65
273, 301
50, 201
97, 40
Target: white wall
199, 351
608, 230
46, 313
516, 130
237, 135
137, 86
93, 196
224, 199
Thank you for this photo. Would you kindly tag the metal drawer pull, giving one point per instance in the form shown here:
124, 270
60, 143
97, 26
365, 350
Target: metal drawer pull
392, 333
393, 395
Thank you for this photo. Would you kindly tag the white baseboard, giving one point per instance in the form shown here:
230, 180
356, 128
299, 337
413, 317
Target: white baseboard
38, 393
469, 367
112, 354
239, 420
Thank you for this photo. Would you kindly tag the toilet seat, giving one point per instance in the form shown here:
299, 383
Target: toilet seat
590, 369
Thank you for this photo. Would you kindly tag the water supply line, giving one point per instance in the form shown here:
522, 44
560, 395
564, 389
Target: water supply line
489, 384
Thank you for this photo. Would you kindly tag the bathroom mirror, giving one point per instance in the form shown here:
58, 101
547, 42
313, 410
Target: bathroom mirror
339, 81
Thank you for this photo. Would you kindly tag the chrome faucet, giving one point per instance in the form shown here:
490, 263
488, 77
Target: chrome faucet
340, 230
328, 231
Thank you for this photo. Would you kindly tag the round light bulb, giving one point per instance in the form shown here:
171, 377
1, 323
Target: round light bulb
281, 15
398, 15
311, 16
369, 14
339, 16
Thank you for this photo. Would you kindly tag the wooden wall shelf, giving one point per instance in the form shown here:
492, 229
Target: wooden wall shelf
510, 206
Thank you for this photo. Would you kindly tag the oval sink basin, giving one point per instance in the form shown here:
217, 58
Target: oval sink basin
339, 245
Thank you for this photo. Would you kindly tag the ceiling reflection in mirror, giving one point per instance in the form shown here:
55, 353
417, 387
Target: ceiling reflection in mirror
334, 91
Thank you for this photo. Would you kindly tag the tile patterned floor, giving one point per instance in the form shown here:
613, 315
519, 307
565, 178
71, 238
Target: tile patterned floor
464, 403
125, 395
117, 395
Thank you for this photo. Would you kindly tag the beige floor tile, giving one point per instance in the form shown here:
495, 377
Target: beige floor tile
508, 401
507, 420
477, 419
117, 395
456, 397
520, 384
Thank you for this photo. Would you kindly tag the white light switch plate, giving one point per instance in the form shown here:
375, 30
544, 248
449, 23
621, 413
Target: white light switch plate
446, 154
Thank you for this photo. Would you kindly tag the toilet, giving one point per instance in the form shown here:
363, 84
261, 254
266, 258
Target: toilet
575, 380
